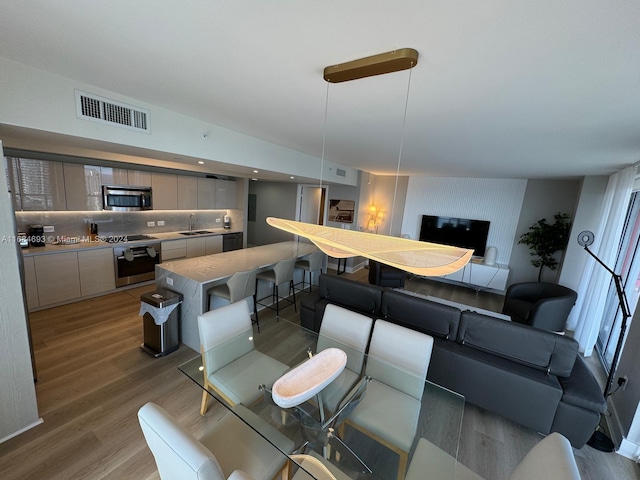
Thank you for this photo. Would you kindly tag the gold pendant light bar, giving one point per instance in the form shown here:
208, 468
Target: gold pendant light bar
380, 64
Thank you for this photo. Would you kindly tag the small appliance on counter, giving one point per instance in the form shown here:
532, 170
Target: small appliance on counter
36, 235
23, 240
227, 222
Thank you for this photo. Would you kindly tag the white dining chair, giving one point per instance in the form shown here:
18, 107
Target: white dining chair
397, 362
552, 457
349, 331
233, 368
229, 449
239, 286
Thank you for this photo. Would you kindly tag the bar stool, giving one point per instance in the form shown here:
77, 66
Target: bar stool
310, 264
280, 273
239, 286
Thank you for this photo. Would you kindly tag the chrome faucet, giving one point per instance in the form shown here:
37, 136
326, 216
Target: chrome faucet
192, 221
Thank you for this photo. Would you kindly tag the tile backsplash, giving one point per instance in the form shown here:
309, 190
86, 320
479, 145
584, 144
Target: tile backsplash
127, 223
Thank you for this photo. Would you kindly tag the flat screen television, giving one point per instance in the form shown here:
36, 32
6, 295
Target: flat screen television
457, 232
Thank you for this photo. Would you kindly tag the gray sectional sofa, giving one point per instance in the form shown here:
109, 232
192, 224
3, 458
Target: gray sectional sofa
533, 377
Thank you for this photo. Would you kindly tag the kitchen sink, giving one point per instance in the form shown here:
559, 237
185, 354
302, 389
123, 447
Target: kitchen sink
197, 232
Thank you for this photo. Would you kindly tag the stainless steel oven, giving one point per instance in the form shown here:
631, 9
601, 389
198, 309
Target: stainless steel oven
136, 263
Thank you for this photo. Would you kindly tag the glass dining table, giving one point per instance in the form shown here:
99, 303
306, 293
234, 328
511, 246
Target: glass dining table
302, 405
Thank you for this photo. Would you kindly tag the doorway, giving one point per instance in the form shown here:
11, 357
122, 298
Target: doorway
311, 204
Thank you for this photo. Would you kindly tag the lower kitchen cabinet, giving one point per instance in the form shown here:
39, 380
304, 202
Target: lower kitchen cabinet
173, 249
57, 277
30, 283
196, 247
97, 271
213, 245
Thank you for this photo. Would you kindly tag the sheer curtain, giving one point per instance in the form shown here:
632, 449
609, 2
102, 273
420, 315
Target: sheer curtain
586, 316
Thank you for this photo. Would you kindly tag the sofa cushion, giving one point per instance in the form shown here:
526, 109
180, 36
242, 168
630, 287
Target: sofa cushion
515, 391
582, 389
419, 314
357, 296
529, 346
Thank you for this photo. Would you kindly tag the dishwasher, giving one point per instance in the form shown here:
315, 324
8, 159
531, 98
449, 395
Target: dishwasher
231, 241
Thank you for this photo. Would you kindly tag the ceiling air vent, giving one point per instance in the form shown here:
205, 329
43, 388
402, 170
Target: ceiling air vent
99, 109
340, 172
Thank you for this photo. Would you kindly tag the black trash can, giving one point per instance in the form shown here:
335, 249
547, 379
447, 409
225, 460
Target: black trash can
160, 311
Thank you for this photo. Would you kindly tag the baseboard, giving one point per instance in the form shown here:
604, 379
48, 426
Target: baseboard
626, 448
22, 430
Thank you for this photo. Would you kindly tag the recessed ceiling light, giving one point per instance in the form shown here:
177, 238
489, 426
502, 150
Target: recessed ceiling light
292, 177
200, 162
255, 171
254, 179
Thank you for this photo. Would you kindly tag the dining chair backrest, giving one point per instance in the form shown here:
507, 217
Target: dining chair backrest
178, 454
225, 334
283, 270
347, 330
242, 285
399, 357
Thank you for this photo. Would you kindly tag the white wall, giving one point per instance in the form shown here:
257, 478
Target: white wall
18, 407
496, 200
542, 199
39, 100
273, 199
587, 217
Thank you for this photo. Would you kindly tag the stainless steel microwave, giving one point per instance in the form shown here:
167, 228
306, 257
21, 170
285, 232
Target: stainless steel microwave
123, 198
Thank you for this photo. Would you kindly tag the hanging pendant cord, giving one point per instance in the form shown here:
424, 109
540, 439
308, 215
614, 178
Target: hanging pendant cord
404, 122
324, 141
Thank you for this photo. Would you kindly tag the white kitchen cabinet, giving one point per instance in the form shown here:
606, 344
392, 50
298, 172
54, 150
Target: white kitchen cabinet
83, 186
57, 277
139, 178
206, 193
97, 271
478, 275
165, 191
187, 192
114, 176
173, 249
30, 283
225, 194
40, 184
213, 244
196, 247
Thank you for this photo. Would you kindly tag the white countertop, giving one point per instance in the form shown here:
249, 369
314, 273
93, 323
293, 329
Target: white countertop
222, 265
86, 243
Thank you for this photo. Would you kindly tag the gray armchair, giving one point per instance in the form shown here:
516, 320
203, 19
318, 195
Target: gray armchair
385, 275
539, 304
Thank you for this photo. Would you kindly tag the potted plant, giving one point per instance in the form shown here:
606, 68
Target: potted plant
545, 239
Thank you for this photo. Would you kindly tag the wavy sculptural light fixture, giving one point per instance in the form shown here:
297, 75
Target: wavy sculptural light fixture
420, 258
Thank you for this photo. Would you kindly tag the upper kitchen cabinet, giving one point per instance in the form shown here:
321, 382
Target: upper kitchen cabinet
187, 193
83, 186
114, 176
139, 178
206, 193
225, 194
38, 184
124, 176
165, 191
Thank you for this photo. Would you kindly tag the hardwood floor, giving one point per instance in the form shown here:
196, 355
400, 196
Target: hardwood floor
93, 377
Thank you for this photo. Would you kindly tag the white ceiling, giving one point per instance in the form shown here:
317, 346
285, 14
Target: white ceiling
513, 89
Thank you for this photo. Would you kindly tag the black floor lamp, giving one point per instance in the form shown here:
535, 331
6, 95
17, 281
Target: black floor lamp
599, 440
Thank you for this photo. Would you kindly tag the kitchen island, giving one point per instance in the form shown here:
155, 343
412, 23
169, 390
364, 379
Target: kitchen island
192, 278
